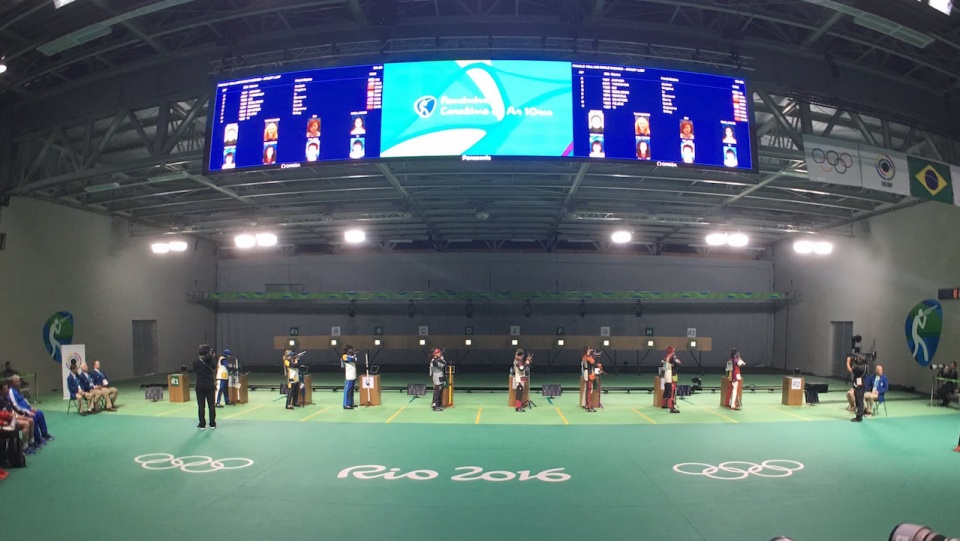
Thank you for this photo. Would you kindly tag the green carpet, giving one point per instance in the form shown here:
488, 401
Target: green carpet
857, 480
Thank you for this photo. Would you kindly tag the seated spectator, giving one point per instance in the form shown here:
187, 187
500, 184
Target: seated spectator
7, 371
100, 381
876, 387
23, 408
25, 424
86, 383
947, 388
77, 391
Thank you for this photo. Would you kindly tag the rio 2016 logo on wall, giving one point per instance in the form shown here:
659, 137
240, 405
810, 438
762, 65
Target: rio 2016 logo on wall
58, 331
924, 323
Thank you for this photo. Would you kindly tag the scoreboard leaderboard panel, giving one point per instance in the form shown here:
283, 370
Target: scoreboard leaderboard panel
481, 110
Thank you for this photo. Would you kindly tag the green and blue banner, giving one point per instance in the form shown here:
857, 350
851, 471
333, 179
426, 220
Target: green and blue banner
58, 332
923, 326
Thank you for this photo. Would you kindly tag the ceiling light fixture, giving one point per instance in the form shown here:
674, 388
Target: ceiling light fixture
245, 241
803, 247
621, 237
265, 240
177, 246
738, 240
717, 239
354, 236
823, 248
160, 247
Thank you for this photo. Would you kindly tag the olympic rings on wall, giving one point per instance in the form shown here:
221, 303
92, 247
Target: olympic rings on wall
832, 160
734, 470
190, 464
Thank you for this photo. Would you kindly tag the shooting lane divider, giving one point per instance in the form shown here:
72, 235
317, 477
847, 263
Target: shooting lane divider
396, 413
480, 409
243, 411
312, 415
564, 419
168, 412
722, 416
635, 410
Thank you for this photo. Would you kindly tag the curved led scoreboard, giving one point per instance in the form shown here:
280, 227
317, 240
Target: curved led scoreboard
480, 110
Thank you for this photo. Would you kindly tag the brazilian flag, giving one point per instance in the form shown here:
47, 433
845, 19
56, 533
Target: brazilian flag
930, 180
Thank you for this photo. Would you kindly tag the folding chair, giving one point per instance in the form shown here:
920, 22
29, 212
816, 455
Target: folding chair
876, 405
75, 402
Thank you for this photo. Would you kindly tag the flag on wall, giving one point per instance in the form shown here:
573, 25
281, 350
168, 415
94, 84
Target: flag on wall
832, 161
955, 174
930, 180
884, 170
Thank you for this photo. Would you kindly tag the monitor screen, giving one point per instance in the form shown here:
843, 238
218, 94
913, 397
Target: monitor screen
481, 110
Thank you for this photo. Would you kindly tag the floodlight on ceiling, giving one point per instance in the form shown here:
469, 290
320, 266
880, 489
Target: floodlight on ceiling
160, 247
102, 187
3, 64
716, 239
177, 246
57, 4
738, 240
245, 241
803, 247
167, 177
266, 240
354, 236
621, 237
823, 248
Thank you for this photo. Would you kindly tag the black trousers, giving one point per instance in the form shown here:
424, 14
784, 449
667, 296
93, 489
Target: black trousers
438, 396
858, 400
293, 394
208, 395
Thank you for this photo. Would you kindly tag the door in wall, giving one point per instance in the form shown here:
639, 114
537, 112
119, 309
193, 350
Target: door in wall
145, 356
840, 347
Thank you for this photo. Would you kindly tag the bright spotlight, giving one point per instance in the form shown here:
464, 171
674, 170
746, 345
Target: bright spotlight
717, 239
560, 342
160, 247
354, 236
177, 246
621, 237
822, 248
3, 66
468, 342
514, 342
376, 342
738, 240
266, 239
803, 247
245, 241
333, 342
423, 342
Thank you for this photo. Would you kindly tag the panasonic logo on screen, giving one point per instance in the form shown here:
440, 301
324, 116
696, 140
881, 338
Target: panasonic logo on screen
424, 106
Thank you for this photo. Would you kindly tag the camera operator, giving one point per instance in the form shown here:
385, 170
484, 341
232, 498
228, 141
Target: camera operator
947, 388
438, 366
669, 380
205, 368
520, 371
857, 364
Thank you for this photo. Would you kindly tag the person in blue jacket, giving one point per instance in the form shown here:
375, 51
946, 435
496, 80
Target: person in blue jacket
876, 387
22, 407
76, 389
101, 382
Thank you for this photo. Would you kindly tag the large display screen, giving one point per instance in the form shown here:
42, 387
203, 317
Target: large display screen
481, 110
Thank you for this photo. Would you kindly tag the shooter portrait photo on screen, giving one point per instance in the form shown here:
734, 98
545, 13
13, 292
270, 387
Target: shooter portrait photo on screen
229, 158
356, 148
230, 134
643, 148
269, 154
686, 129
687, 152
729, 137
358, 126
313, 128
312, 151
270, 131
642, 125
596, 121
596, 148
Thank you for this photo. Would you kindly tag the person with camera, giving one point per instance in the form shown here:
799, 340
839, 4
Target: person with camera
204, 366
857, 368
292, 370
736, 378
947, 388
438, 366
669, 380
520, 371
348, 361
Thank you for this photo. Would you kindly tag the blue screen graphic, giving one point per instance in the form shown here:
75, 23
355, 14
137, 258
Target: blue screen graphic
481, 108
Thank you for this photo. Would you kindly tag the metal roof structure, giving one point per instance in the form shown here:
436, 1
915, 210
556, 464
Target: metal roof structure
104, 108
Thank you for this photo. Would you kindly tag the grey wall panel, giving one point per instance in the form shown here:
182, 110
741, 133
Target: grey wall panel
893, 262
64, 259
250, 329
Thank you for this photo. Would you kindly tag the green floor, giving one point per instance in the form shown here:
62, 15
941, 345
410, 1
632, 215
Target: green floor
857, 480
